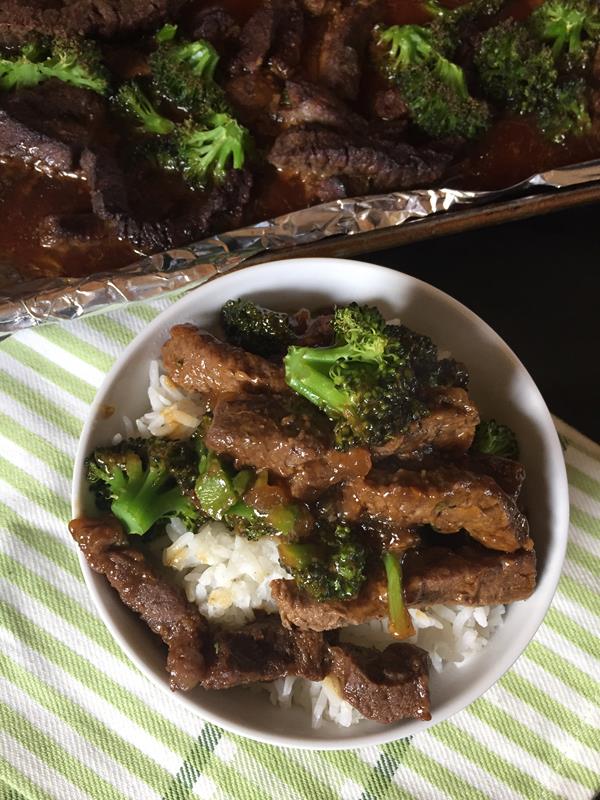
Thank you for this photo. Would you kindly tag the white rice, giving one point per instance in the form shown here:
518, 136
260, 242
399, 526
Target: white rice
228, 577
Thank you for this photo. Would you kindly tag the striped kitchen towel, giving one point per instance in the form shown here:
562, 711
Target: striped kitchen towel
78, 720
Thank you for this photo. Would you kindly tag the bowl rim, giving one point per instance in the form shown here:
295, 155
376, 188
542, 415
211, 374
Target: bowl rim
552, 567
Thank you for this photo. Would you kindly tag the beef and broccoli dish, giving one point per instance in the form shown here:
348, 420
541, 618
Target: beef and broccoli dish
312, 504
127, 128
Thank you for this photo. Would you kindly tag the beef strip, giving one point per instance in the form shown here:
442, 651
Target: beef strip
104, 18
384, 686
447, 498
287, 436
52, 141
468, 575
162, 607
388, 104
450, 426
214, 25
198, 361
508, 474
271, 38
305, 103
264, 651
342, 46
327, 153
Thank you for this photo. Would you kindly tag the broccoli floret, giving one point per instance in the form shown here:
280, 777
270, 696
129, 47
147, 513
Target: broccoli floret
433, 87
496, 439
259, 330
183, 73
422, 355
450, 24
132, 101
569, 26
71, 60
144, 481
364, 382
520, 73
205, 154
330, 567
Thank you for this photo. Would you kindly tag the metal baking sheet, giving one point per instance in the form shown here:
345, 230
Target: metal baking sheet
342, 227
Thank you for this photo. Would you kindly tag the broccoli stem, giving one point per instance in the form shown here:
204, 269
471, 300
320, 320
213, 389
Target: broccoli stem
310, 382
400, 622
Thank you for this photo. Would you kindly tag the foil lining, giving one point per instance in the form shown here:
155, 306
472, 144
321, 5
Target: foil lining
195, 264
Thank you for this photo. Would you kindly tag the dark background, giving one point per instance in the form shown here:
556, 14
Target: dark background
537, 283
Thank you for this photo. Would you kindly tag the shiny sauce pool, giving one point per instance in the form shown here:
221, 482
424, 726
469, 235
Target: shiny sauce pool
512, 150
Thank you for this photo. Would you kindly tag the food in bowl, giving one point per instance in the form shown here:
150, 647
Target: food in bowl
330, 511
135, 129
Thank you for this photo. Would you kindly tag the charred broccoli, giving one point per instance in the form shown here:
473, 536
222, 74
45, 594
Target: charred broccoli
183, 73
569, 26
333, 566
422, 355
259, 330
132, 101
71, 60
433, 87
496, 439
520, 73
144, 481
364, 383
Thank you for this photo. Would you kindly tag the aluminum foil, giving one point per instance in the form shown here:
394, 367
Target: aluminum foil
187, 267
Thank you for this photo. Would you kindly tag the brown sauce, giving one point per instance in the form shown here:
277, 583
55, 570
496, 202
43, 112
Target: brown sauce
512, 150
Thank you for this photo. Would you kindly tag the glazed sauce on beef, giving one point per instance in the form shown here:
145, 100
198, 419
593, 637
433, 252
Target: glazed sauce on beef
512, 150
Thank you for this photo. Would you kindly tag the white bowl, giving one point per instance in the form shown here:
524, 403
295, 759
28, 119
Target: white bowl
500, 386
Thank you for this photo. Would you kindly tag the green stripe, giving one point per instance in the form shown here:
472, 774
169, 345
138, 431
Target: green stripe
585, 483
80, 720
585, 559
551, 709
502, 770
580, 594
573, 677
49, 370
40, 540
23, 784
47, 499
348, 763
381, 783
109, 328
91, 676
573, 632
194, 764
66, 340
532, 743
143, 311
232, 783
40, 404
36, 445
581, 519
273, 759
61, 760
451, 784
59, 603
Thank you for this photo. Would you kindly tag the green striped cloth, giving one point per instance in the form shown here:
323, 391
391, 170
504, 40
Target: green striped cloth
79, 721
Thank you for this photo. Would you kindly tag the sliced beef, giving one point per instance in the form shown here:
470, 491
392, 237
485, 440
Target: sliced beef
305, 103
327, 153
384, 686
214, 25
298, 608
470, 575
342, 46
447, 498
196, 360
271, 38
287, 436
72, 230
449, 427
255, 98
508, 474
467, 575
388, 104
162, 606
55, 140
105, 18
264, 651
